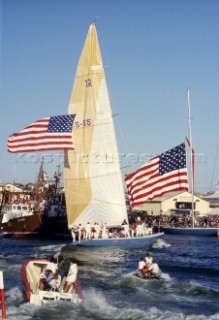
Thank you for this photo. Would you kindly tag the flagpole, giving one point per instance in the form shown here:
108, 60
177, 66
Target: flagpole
57, 179
192, 160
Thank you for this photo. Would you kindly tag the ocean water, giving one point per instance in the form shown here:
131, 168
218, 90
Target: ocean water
188, 290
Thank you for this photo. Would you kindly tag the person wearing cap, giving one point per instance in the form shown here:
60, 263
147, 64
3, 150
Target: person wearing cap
148, 259
47, 276
71, 276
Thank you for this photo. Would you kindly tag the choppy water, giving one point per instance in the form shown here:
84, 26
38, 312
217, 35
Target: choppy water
189, 288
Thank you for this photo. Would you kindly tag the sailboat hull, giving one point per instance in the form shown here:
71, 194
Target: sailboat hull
126, 243
191, 231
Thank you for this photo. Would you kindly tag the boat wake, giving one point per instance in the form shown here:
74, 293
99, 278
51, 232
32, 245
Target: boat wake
160, 243
98, 305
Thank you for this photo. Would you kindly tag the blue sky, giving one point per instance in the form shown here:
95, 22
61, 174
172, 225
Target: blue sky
153, 50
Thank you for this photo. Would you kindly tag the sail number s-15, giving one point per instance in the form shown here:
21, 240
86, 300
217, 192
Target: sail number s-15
84, 123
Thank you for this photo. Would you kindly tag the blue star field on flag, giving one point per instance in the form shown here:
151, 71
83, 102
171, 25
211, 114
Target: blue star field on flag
61, 123
173, 159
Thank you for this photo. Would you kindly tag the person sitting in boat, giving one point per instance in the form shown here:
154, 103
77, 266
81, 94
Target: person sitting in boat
47, 276
71, 276
154, 271
141, 268
55, 282
148, 259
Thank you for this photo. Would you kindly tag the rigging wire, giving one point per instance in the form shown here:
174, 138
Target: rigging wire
211, 186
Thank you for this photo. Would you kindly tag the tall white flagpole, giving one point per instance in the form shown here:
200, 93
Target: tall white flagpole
192, 159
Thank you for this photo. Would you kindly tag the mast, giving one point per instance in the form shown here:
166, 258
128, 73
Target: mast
57, 179
192, 157
40, 179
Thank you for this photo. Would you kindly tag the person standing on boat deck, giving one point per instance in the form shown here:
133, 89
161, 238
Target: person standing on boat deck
71, 276
88, 231
105, 234
139, 228
97, 233
74, 232
126, 228
93, 230
79, 232
63, 265
133, 229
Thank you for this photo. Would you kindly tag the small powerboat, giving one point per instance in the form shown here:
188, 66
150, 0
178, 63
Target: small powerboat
139, 275
31, 275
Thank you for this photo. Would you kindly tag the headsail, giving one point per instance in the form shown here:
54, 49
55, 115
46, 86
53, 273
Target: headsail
93, 183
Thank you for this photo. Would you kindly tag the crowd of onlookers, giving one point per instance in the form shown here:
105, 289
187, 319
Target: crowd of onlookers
175, 220
186, 221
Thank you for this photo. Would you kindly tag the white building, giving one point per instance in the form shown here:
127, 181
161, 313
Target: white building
175, 203
213, 200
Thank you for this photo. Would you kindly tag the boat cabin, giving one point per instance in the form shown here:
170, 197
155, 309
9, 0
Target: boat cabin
13, 211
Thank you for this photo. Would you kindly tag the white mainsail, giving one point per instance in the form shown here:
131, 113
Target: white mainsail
92, 177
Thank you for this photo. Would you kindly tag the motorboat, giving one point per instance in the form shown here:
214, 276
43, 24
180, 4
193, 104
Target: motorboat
31, 275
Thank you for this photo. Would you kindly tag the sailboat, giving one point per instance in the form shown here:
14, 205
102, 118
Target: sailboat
92, 177
193, 230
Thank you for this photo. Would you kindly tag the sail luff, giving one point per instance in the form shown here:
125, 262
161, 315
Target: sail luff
93, 183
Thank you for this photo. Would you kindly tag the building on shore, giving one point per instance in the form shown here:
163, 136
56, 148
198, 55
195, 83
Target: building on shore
179, 202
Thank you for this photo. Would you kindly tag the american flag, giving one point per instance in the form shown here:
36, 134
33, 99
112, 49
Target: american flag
54, 133
160, 175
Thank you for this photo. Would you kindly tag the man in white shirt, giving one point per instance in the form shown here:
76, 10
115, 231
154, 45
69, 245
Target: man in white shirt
141, 268
154, 270
71, 276
148, 259
88, 231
